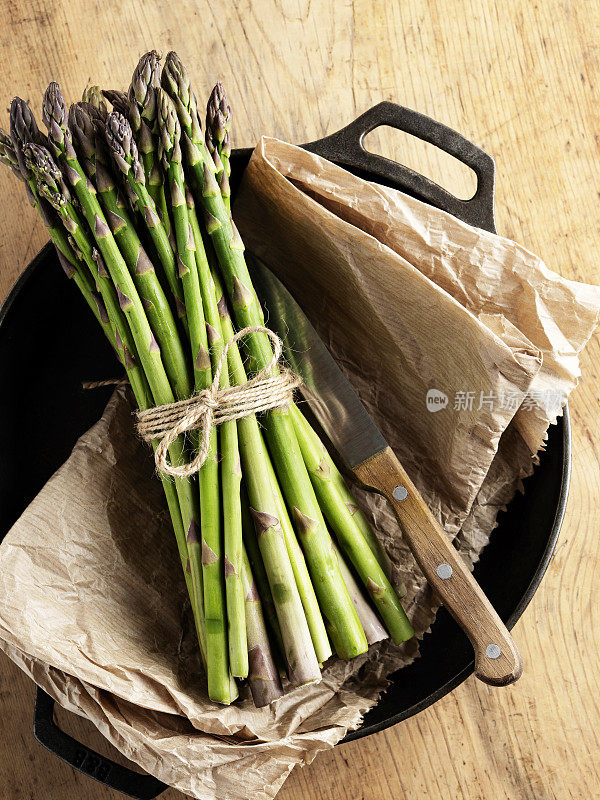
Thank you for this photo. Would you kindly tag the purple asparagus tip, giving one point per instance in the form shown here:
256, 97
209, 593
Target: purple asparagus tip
212, 223
101, 307
124, 301
229, 568
180, 307
128, 358
208, 555
102, 271
177, 198
68, 268
222, 307
101, 229
263, 521
182, 269
143, 264
304, 523
193, 533
212, 334
202, 359
115, 221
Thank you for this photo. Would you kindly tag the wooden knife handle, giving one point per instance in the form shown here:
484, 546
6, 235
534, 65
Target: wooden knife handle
497, 659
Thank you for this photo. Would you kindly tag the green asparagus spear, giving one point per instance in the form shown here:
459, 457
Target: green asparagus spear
208, 476
48, 177
263, 676
352, 541
374, 630
75, 269
85, 129
112, 202
310, 604
343, 624
25, 131
143, 118
129, 300
125, 156
260, 574
231, 474
301, 661
231, 478
50, 187
302, 425
218, 138
52, 193
55, 117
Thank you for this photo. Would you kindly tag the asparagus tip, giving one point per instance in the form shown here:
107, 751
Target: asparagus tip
54, 108
95, 97
142, 90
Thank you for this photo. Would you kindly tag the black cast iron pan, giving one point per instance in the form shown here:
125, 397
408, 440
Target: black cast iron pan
43, 355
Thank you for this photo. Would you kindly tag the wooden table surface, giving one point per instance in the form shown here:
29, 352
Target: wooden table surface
522, 79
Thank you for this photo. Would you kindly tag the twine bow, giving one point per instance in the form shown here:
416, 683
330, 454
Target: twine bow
216, 405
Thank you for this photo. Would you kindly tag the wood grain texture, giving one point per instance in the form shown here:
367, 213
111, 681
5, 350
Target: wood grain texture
522, 79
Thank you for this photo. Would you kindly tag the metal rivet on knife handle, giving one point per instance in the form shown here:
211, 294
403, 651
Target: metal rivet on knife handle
493, 651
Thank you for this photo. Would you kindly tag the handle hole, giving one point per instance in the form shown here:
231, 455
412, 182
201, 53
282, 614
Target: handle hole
424, 158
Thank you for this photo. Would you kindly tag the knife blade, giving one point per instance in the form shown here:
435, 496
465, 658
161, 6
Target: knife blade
361, 445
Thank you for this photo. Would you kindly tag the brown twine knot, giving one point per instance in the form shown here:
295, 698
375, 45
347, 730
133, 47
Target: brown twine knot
216, 405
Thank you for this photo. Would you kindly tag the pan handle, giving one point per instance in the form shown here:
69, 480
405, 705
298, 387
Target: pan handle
346, 147
86, 760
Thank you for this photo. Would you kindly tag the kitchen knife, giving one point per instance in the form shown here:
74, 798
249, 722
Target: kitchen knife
359, 442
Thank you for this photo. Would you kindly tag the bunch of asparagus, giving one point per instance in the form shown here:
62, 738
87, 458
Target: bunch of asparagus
137, 203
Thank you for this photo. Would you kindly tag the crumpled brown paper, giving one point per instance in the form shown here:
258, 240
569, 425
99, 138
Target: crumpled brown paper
92, 603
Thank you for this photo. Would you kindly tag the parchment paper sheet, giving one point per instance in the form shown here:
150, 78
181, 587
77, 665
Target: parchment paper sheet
92, 603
